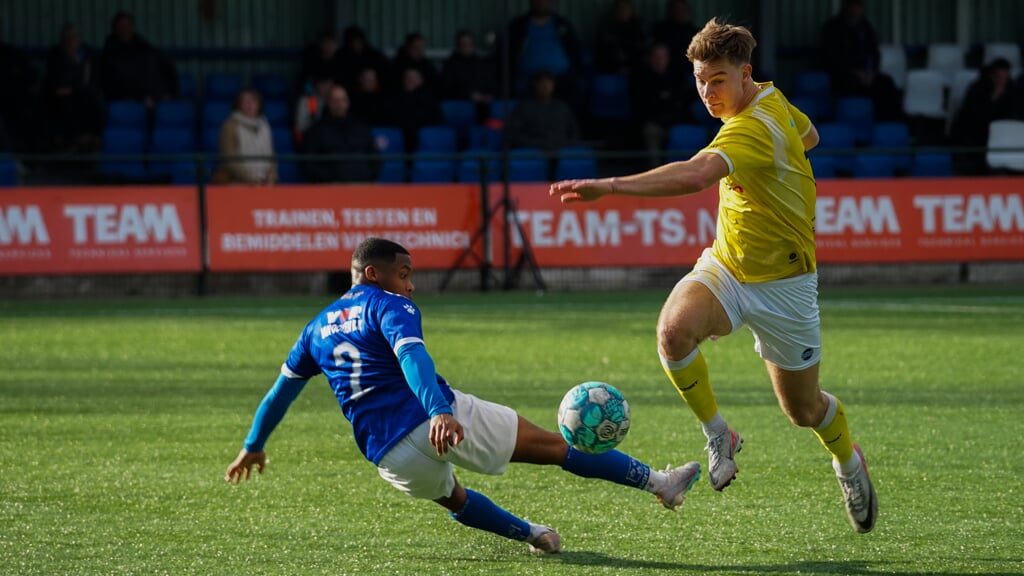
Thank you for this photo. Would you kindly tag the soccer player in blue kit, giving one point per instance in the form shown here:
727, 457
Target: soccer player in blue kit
410, 423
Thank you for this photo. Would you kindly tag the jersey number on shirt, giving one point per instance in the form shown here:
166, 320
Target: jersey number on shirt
348, 353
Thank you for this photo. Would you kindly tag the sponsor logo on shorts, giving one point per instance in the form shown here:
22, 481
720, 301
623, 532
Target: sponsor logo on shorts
807, 353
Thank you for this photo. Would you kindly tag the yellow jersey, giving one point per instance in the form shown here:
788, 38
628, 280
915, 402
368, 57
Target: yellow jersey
765, 228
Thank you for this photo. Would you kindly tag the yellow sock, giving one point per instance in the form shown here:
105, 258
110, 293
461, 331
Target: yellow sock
834, 432
690, 377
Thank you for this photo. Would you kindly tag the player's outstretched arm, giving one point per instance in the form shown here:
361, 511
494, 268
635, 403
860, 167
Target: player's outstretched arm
673, 179
241, 468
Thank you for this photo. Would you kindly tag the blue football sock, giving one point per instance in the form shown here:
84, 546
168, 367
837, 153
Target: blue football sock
613, 466
479, 512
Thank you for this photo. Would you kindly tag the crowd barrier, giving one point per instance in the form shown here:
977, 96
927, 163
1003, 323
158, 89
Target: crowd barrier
100, 230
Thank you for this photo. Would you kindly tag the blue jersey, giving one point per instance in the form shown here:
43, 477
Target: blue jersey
355, 343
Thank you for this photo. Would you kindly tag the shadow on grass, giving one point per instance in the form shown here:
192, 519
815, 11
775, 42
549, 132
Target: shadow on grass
846, 568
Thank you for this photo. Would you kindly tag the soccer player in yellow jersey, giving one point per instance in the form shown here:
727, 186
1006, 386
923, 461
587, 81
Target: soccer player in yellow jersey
760, 270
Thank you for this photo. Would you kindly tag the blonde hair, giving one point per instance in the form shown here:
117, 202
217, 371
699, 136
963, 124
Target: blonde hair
718, 40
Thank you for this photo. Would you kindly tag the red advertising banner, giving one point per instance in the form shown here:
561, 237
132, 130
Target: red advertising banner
919, 220
614, 231
291, 228
857, 221
99, 230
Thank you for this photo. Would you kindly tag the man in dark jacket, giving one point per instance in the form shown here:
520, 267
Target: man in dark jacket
338, 133
131, 68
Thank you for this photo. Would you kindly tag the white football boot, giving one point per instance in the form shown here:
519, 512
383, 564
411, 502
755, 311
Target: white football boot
677, 484
721, 466
859, 494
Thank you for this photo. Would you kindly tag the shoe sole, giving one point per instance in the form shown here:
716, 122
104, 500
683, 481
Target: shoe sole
739, 446
869, 522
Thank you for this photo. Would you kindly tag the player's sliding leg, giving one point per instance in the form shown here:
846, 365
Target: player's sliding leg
536, 445
475, 510
848, 463
690, 314
690, 377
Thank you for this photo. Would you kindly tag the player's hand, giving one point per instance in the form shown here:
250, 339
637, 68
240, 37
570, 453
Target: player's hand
242, 466
581, 190
445, 431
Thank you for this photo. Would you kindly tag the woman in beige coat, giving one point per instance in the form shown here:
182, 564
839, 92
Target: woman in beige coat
246, 144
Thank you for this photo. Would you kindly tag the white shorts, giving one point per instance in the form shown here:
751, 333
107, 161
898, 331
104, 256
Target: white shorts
414, 467
782, 314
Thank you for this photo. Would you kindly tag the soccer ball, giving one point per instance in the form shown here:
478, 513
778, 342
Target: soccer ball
593, 417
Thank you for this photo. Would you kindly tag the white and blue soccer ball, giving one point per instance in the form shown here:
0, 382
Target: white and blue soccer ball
593, 417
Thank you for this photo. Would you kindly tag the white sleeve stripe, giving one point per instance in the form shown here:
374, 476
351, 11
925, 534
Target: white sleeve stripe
723, 155
287, 373
404, 341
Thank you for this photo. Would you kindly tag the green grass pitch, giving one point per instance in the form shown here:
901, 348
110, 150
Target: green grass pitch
117, 420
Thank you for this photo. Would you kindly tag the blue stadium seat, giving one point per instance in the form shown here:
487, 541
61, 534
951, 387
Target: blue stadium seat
431, 170
527, 165
215, 112
836, 137
858, 112
873, 166
684, 140
473, 160
8, 172
277, 112
817, 85
932, 165
894, 135
179, 113
808, 105
575, 163
459, 113
123, 141
222, 86
284, 145
186, 86
824, 166
501, 108
391, 144
272, 86
609, 96
484, 137
172, 140
126, 113
437, 139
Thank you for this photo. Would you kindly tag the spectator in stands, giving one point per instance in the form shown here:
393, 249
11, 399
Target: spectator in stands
133, 69
18, 77
247, 142
413, 107
369, 101
74, 118
339, 133
993, 96
466, 75
852, 57
621, 40
356, 55
311, 105
540, 40
413, 54
542, 120
661, 99
319, 62
676, 31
